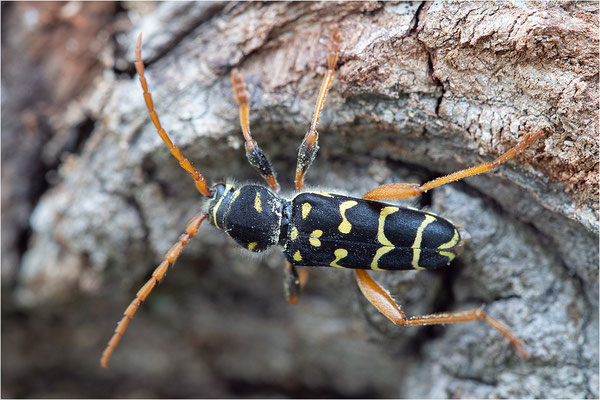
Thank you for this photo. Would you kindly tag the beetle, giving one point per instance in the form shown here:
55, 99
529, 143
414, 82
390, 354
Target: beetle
317, 228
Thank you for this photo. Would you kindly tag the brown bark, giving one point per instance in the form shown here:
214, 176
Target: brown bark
421, 90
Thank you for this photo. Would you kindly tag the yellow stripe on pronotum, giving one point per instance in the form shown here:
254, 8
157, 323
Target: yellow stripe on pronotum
216, 208
258, 203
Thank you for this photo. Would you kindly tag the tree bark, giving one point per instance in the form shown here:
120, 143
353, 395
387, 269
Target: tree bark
422, 89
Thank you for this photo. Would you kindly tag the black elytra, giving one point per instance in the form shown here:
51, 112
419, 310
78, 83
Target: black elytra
330, 230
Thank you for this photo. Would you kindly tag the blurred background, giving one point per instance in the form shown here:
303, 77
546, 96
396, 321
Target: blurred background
91, 198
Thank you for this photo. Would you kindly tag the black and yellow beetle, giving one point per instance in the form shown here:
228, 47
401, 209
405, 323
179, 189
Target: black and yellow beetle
329, 230
320, 228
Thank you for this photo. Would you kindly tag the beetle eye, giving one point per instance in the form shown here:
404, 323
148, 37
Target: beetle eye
219, 189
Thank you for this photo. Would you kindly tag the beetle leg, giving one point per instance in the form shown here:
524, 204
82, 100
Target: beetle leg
291, 283
395, 191
158, 274
382, 300
309, 147
294, 281
256, 156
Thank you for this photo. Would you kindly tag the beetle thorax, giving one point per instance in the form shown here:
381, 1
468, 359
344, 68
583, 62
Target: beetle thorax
251, 215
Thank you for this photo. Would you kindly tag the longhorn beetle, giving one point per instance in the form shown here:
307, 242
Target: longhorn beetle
319, 228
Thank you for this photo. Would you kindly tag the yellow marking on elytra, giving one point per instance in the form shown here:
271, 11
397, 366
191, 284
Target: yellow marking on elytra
305, 210
252, 245
380, 252
418, 239
297, 256
346, 226
451, 243
339, 254
325, 194
215, 208
415, 260
236, 194
314, 235
448, 254
382, 216
257, 203
294, 233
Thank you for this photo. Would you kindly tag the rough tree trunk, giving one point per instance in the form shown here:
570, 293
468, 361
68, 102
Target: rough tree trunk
422, 89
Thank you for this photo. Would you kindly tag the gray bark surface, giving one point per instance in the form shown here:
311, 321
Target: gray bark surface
423, 89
